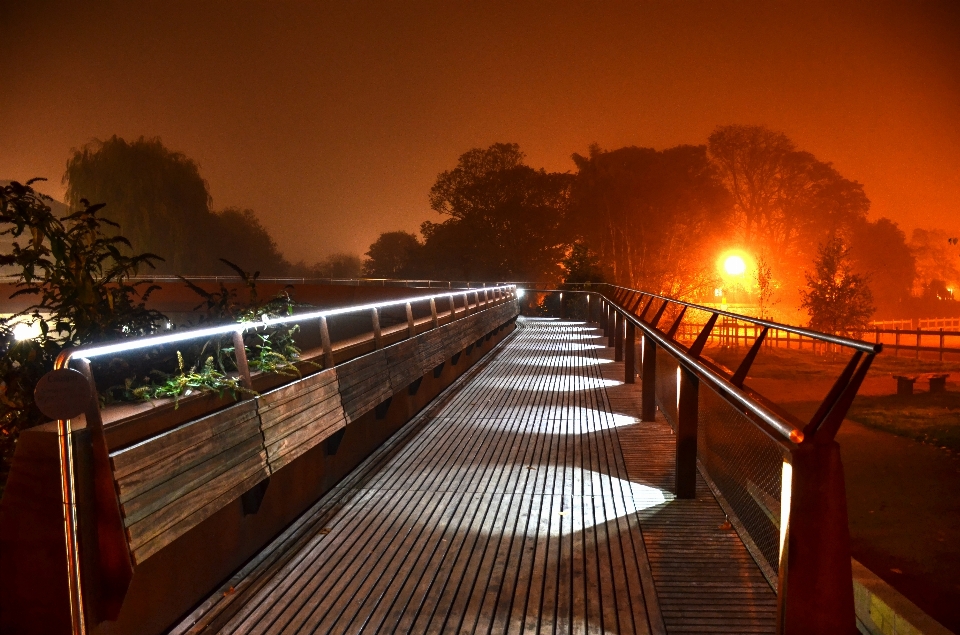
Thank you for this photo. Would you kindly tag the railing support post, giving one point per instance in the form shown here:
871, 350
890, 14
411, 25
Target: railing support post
648, 379
240, 353
434, 318
611, 326
563, 314
411, 324
377, 334
815, 594
326, 343
590, 302
630, 355
618, 337
604, 317
687, 422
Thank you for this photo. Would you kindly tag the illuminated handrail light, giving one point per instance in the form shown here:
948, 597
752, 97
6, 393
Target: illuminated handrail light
240, 327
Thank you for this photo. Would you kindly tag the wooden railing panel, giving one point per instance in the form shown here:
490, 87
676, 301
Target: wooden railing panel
404, 363
299, 416
364, 383
173, 481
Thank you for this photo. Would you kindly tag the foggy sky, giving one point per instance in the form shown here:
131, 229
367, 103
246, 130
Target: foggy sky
333, 121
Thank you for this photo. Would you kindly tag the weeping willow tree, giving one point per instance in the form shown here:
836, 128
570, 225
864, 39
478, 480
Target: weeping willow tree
160, 199
157, 196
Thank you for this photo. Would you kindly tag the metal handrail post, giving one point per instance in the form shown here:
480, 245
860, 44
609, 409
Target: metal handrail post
618, 337
648, 379
688, 420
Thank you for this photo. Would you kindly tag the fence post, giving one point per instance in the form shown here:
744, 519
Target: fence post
325, 342
434, 318
618, 337
648, 379
688, 416
630, 355
377, 335
941, 344
563, 314
815, 594
918, 342
590, 303
896, 344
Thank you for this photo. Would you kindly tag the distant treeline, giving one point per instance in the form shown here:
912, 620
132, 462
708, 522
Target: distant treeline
162, 205
660, 220
652, 219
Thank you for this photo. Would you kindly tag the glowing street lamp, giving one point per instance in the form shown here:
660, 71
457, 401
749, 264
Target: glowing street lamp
734, 265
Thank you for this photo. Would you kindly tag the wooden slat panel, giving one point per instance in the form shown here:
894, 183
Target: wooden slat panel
254, 471
169, 483
173, 441
299, 416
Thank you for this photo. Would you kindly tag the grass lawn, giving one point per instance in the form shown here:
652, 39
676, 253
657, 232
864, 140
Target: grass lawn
782, 363
932, 418
928, 417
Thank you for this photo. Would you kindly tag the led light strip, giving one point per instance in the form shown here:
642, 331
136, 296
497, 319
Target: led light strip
160, 340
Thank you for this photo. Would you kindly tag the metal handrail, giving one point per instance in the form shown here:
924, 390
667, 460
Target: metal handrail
860, 345
64, 431
790, 435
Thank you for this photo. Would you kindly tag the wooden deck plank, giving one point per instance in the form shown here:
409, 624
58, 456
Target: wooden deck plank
509, 506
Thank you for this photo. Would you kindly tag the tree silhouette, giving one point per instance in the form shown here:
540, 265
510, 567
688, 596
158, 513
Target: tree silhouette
837, 299
651, 215
392, 255
507, 218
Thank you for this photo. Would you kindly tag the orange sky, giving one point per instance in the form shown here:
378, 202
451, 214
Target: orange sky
332, 122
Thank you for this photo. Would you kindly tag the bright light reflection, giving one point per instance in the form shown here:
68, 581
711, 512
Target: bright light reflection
571, 361
25, 331
560, 420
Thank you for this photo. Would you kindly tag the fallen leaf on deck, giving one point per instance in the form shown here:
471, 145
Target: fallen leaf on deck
325, 531
725, 525
229, 591
896, 570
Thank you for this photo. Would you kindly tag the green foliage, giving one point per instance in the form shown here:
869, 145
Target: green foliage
837, 299
80, 281
208, 378
272, 350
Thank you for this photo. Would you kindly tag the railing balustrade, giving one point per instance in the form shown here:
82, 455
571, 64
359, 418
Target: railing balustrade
779, 479
116, 565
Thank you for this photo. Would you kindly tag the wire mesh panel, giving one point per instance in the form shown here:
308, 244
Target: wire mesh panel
746, 466
667, 386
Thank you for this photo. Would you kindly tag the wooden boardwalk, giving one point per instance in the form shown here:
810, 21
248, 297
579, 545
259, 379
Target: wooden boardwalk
507, 506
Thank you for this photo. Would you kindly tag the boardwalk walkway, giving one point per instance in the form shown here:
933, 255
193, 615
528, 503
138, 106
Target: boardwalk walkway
508, 506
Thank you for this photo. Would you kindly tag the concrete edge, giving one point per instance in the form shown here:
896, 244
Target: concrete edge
882, 610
